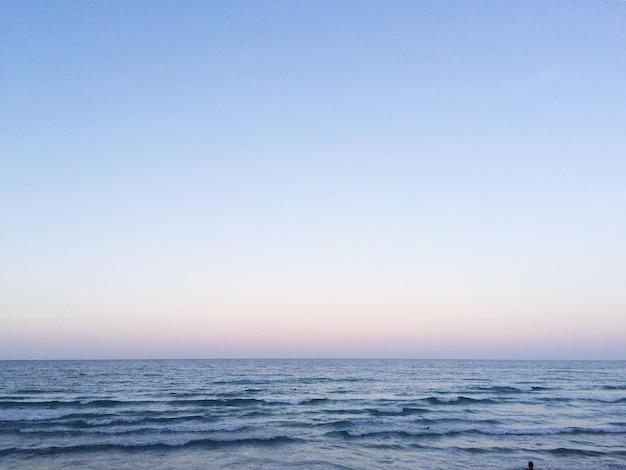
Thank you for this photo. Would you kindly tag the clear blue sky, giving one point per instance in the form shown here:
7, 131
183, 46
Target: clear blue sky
326, 179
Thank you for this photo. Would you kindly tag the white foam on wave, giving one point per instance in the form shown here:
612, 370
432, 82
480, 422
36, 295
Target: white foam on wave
99, 421
451, 399
382, 425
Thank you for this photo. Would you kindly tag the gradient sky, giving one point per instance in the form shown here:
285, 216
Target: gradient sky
428, 179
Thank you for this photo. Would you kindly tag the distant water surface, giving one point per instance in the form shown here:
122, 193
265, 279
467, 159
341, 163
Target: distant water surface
318, 414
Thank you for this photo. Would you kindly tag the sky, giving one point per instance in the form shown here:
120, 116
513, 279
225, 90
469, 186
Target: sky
410, 179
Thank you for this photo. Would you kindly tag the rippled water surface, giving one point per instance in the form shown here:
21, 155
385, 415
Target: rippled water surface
343, 414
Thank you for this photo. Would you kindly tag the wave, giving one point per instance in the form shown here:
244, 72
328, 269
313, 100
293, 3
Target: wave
569, 452
502, 389
388, 410
352, 429
556, 399
121, 425
140, 419
294, 400
84, 403
397, 410
35, 391
177, 428
360, 433
615, 387
163, 443
31, 415
235, 402
328, 380
242, 402
94, 409
507, 389
461, 400
78, 403
255, 382
549, 431
20, 404
591, 399
608, 400
110, 403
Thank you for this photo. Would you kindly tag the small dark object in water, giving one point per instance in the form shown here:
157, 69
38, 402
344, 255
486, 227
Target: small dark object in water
531, 466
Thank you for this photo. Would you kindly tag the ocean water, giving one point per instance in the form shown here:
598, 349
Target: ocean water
317, 414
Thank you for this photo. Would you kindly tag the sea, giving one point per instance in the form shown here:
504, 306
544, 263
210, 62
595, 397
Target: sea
312, 414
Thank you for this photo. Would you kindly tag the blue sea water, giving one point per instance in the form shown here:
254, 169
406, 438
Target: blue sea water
317, 414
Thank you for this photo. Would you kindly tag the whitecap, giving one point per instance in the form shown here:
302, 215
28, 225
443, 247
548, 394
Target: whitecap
448, 399
99, 421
